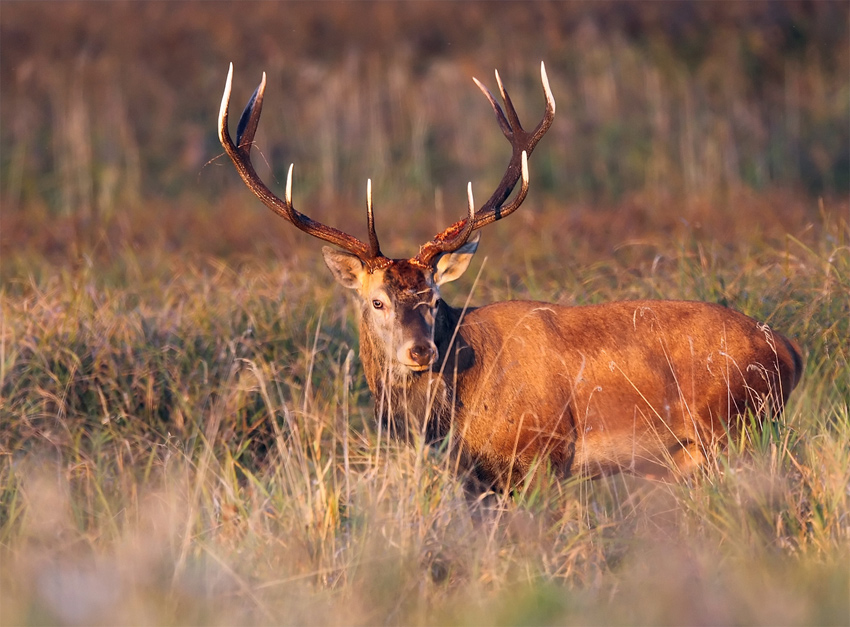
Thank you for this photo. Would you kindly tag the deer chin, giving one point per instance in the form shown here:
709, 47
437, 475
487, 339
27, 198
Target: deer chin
404, 369
410, 366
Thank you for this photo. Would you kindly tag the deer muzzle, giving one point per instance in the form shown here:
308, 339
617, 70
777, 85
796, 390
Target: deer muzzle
418, 356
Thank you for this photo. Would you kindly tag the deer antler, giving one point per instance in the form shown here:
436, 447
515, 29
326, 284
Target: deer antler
523, 143
240, 154
449, 240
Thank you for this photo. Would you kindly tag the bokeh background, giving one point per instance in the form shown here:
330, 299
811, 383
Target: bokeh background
671, 115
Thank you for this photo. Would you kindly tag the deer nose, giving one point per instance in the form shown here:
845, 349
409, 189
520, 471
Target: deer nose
422, 354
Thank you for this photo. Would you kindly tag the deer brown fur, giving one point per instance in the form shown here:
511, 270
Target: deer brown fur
647, 387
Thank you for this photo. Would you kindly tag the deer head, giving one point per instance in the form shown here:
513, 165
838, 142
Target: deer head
400, 298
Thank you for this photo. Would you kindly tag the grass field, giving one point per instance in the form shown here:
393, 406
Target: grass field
186, 436
190, 441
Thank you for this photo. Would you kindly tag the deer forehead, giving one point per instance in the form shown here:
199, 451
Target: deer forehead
402, 281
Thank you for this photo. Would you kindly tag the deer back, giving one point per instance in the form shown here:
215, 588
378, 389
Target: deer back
631, 385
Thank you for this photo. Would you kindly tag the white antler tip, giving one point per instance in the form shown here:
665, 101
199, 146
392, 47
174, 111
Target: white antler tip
225, 103
525, 166
470, 198
289, 184
501, 86
228, 84
546, 89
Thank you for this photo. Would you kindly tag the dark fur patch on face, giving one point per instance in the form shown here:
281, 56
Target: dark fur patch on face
405, 279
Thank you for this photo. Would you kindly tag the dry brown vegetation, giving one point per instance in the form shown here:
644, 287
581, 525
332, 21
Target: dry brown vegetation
185, 433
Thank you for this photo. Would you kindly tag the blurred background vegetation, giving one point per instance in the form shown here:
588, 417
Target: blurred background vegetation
667, 112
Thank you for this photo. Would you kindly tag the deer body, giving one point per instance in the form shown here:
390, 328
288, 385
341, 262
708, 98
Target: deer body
649, 387
643, 386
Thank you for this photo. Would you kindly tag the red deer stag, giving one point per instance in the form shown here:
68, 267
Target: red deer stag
647, 387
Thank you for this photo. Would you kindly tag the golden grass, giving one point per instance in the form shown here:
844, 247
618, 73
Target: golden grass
200, 450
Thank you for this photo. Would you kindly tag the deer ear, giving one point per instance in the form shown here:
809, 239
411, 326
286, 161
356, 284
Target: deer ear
347, 269
449, 266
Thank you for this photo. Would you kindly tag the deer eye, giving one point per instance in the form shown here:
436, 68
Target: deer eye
377, 304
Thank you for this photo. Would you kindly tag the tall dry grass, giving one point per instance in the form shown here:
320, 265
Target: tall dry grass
202, 450
185, 432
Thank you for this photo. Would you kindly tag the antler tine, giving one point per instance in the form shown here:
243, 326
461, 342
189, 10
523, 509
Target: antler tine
374, 246
513, 118
288, 193
240, 154
550, 100
500, 116
523, 143
523, 191
452, 238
